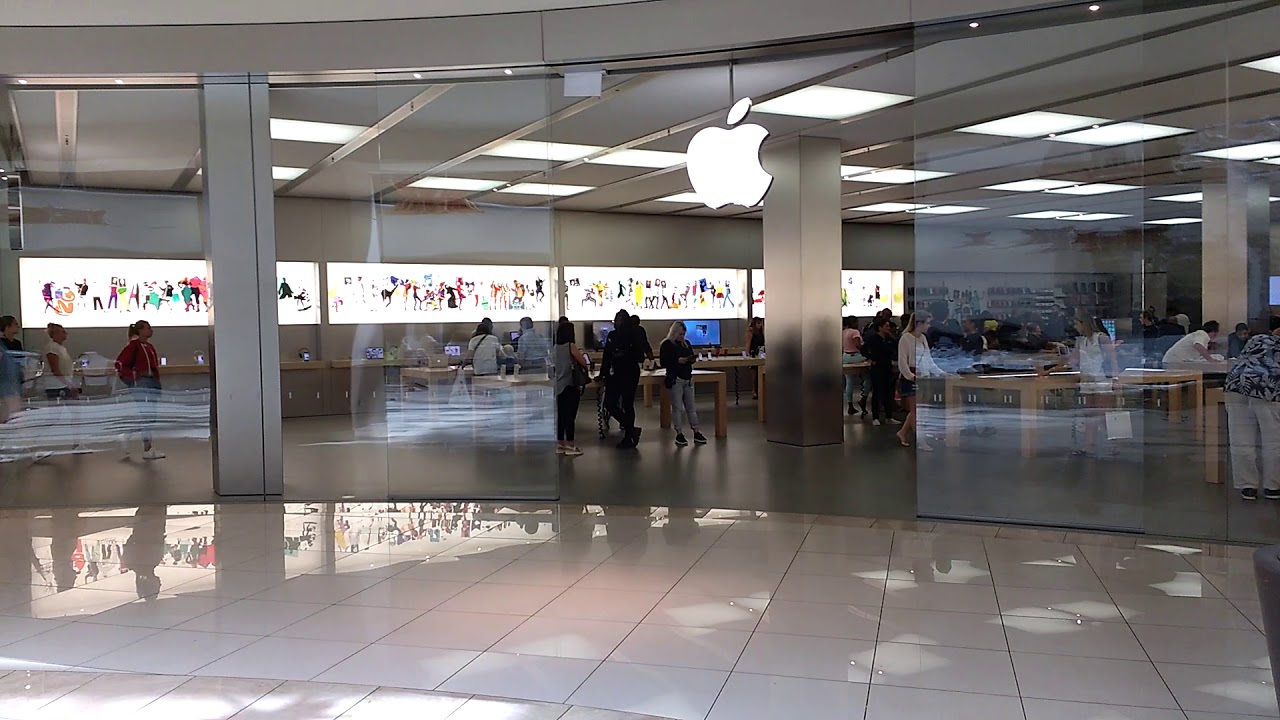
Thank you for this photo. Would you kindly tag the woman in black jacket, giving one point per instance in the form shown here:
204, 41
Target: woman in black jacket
677, 358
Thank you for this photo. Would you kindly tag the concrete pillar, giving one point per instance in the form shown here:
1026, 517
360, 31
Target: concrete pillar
1236, 251
802, 260
239, 244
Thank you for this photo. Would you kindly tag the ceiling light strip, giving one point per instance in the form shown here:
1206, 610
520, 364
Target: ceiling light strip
368, 135
189, 172
66, 120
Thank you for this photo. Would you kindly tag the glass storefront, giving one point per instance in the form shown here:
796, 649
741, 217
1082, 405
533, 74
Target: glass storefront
1037, 184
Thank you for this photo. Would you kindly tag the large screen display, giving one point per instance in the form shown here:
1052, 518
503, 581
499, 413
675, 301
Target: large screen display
382, 293
116, 292
598, 293
862, 292
1275, 289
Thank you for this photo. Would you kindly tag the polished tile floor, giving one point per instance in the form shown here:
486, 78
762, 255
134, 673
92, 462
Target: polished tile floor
467, 611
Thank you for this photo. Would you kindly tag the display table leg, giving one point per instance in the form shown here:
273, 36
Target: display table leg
954, 413
760, 385
1030, 403
722, 409
648, 395
1197, 408
664, 405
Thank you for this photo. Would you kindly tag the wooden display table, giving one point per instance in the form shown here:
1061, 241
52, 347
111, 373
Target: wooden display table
848, 369
1031, 388
1175, 382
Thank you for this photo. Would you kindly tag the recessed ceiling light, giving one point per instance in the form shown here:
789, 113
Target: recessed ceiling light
317, 132
548, 189
829, 103
1121, 133
539, 150
947, 209
22, 81
1185, 198
1032, 124
119, 81
508, 71
640, 158
285, 173
1094, 217
1094, 8
455, 183
888, 207
1262, 151
1033, 185
1271, 64
417, 76
1046, 215
1092, 189
973, 24
1173, 221
688, 197
898, 176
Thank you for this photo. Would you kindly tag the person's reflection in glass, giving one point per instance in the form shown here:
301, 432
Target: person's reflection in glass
64, 548
144, 550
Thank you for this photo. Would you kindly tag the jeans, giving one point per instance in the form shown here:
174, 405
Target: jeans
850, 380
882, 377
682, 404
620, 401
145, 392
567, 413
1254, 427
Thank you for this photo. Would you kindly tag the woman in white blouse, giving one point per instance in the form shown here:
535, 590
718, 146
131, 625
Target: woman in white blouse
914, 361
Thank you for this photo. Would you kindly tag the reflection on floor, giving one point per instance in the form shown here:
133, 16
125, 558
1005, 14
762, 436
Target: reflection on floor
678, 613
1153, 484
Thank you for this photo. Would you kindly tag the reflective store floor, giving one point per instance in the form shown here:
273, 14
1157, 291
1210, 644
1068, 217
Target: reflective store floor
470, 611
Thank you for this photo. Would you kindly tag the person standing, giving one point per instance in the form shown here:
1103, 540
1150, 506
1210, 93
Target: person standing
755, 337
485, 350
12, 376
642, 337
567, 362
1253, 415
531, 348
620, 373
138, 366
878, 348
914, 361
677, 358
58, 379
851, 346
1094, 357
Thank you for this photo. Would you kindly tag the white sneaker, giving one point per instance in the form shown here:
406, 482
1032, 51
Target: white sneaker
42, 455
876, 422
152, 454
573, 451
895, 421
80, 449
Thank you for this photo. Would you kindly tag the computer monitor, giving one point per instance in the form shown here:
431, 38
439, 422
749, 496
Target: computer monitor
374, 353
514, 335
453, 350
702, 333
602, 331
1275, 289
1110, 325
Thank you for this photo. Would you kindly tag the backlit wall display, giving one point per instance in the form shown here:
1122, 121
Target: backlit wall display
862, 292
598, 293
298, 293
381, 293
113, 292
116, 292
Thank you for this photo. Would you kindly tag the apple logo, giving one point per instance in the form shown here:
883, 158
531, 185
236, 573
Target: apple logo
724, 165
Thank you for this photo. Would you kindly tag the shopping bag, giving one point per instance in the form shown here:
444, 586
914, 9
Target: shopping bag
1119, 425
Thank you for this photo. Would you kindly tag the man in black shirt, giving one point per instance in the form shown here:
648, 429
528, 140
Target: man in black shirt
972, 344
620, 374
879, 350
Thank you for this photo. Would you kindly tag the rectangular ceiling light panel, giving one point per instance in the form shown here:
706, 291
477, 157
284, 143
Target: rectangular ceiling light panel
316, 132
898, 176
285, 173
1092, 189
641, 159
1094, 217
1046, 215
947, 209
688, 197
888, 207
455, 183
539, 150
1271, 64
1121, 133
547, 189
1174, 221
1033, 124
825, 102
1262, 151
1033, 185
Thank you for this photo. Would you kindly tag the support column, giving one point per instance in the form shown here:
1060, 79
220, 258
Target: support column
239, 245
1236, 252
802, 261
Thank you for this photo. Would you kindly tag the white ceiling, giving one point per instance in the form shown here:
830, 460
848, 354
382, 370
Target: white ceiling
1180, 68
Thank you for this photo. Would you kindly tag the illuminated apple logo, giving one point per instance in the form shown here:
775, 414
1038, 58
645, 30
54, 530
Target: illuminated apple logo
724, 165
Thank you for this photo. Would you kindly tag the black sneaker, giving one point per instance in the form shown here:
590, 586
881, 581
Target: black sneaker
1249, 493
852, 410
1271, 494
699, 438
680, 440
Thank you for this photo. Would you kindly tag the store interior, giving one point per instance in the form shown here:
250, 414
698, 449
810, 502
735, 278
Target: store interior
955, 185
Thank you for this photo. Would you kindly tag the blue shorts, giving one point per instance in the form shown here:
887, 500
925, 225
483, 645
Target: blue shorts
906, 388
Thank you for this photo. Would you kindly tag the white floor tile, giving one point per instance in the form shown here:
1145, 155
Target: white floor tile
1093, 680
23, 692
1073, 637
935, 667
1058, 604
1181, 611
746, 581
930, 627
527, 677
1252, 610
1061, 710
1062, 576
905, 703
305, 701
832, 589
560, 637
848, 541
161, 611
864, 566
350, 623
1006, 550
1189, 584
488, 708
233, 584
13, 629
454, 630
398, 592
956, 572
282, 659
940, 596
207, 699
707, 611
547, 573
933, 546
110, 696
454, 569
252, 617
1203, 688
646, 554
573, 551
680, 693
171, 652
295, 562
636, 578
733, 558
817, 658
771, 697
1204, 646
592, 604
398, 703
399, 667
327, 589
774, 541
75, 604
502, 599
851, 622
73, 643
691, 647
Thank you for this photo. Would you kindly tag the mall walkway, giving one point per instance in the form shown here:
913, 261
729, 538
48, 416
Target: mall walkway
677, 613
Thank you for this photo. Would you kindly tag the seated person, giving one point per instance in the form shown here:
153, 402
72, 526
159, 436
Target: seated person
1236, 342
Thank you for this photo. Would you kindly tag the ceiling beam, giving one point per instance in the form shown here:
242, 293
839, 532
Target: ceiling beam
66, 116
536, 125
188, 173
12, 146
394, 118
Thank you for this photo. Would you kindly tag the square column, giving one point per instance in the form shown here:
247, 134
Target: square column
802, 261
1235, 251
239, 245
